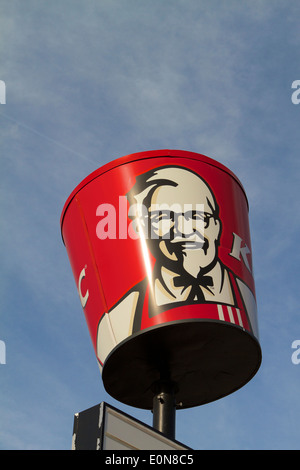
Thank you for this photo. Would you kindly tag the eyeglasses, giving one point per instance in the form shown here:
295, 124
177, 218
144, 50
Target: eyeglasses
166, 219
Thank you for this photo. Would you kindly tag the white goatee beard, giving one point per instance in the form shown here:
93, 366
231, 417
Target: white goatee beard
192, 261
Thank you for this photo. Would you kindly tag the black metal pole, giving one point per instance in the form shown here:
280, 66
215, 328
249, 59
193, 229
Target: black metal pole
164, 408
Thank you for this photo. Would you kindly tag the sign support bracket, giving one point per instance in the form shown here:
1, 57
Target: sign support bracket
164, 408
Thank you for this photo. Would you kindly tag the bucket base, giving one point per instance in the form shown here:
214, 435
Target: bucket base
207, 360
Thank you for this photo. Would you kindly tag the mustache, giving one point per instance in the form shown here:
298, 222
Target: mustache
193, 237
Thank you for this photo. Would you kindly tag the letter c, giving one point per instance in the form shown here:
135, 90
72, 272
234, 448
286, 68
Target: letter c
83, 298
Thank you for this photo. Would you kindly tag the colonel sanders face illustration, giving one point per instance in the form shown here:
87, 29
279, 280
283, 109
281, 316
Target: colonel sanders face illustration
180, 218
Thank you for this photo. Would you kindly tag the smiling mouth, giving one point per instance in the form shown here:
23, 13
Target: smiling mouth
184, 245
190, 245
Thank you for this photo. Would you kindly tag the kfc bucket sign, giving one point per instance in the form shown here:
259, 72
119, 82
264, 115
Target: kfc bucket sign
160, 250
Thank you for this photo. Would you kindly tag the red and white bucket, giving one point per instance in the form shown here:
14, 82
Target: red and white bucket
160, 249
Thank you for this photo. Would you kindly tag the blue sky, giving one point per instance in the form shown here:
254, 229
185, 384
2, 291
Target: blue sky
90, 81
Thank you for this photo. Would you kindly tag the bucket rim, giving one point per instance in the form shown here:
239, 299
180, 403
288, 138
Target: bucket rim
147, 154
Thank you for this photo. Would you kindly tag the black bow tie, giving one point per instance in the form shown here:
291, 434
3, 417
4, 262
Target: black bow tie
186, 281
